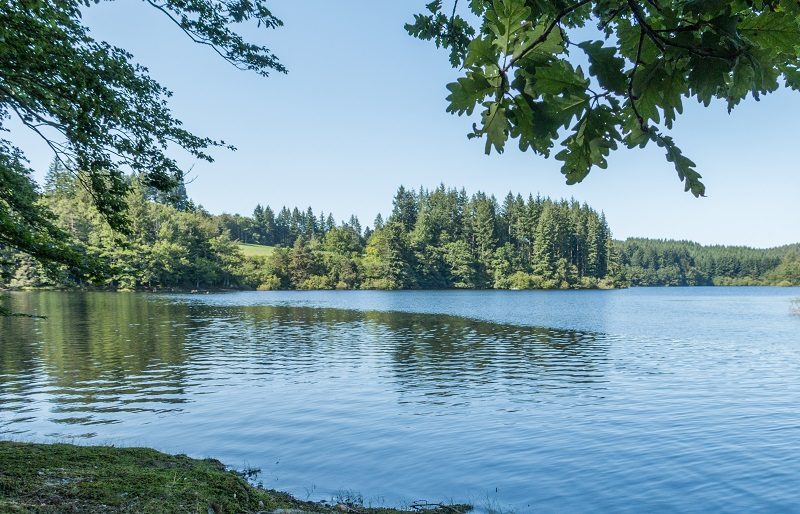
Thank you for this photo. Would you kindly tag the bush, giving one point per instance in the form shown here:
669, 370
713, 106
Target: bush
315, 282
551, 283
270, 283
611, 283
522, 280
378, 283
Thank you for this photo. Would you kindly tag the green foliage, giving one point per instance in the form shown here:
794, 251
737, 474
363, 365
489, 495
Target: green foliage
518, 64
164, 247
647, 262
462, 265
302, 264
444, 238
431, 27
315, 282
100, 113
270, 283
24, 224
387, 257
441, 238
523, 280
787, 273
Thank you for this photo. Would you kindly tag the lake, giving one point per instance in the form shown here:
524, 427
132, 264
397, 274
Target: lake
662, 399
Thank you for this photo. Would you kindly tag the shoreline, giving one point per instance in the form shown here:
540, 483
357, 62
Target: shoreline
178, 290
203, 291
58, 477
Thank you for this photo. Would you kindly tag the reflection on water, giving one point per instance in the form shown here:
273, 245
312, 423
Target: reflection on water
94, 357
98, 356
407, 405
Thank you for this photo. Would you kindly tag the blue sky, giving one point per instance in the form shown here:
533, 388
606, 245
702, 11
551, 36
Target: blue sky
362, 111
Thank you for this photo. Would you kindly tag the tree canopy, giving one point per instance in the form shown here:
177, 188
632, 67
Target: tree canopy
100, 113
440, 238
519, 58
106, 119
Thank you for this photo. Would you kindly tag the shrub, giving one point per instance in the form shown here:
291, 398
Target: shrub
522, 280
270, 283
378, 283
315, 282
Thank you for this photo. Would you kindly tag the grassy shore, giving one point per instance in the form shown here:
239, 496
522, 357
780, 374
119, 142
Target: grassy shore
50, 478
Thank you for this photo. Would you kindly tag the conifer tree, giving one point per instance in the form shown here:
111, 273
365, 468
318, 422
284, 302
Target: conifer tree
545, 252
405, 208
301, 264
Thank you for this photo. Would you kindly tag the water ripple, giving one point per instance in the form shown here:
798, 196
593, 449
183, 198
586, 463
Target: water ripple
415, 396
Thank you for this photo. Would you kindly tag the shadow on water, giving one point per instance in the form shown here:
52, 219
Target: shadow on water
98, 356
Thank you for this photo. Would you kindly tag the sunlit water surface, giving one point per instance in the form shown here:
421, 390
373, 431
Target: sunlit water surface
679, 400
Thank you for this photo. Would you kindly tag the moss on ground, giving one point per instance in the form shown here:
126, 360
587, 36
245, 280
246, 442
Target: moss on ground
63, 478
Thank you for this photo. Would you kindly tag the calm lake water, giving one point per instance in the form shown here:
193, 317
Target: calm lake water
678, 400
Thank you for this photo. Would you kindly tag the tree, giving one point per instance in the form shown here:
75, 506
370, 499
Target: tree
462, 264
330, 223
310, 228
644, 58
24, 223
545, 253
58, 179
404, 209
301, 264
177, 196
595, 242
483, 227
787, 273
355, 225
652, 262
99, 112
386, 259
342, 240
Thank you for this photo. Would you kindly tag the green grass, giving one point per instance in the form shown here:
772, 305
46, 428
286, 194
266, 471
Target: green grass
256, 250
56, 478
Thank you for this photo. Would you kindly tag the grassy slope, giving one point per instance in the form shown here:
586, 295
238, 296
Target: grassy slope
92, 479
256, 250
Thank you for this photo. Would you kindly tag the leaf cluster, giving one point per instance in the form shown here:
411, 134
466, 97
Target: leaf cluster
644, 58
100, 113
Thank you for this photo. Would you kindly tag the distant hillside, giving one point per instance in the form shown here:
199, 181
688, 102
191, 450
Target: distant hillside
658, 262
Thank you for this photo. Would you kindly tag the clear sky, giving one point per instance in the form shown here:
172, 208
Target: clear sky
362, 111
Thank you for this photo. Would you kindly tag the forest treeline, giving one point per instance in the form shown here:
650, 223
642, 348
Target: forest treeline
652, 262
440, 238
